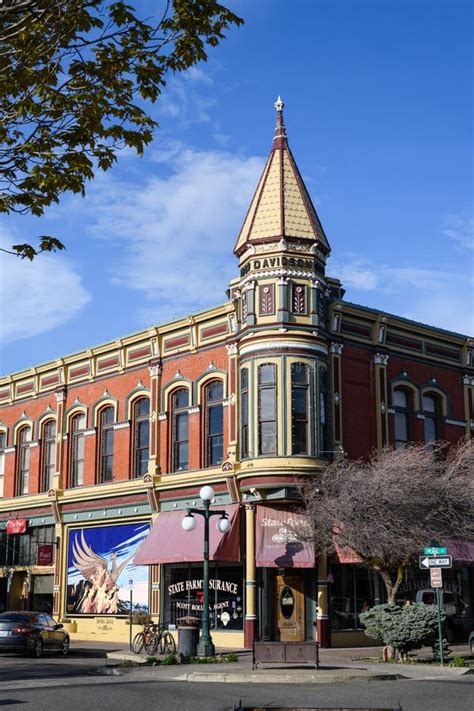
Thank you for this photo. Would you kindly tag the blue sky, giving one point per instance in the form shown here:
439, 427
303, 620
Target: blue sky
378, 99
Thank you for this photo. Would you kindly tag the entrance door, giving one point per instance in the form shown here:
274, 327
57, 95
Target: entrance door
290, 608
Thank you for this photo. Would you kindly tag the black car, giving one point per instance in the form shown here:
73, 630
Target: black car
31, 632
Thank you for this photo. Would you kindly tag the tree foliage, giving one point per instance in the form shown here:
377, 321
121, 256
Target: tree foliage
387, 508
402, 628
76, 81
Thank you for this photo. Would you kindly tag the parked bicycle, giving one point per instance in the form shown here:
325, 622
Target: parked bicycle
155, 639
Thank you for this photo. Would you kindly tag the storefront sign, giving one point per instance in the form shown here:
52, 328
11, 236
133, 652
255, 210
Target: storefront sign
282, 539
44, 554
16, 526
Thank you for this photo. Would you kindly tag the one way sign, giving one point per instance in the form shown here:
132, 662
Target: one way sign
427, 562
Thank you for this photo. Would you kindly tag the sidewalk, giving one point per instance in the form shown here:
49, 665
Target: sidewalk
336, 666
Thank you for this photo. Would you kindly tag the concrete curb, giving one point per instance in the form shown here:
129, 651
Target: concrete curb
297, 678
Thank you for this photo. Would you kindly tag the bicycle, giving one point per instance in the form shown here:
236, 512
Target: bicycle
154, 638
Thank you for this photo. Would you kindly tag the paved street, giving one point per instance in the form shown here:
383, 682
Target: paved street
121, 694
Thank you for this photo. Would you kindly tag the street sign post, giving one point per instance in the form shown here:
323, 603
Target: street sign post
435, 550
436, 578
427, 562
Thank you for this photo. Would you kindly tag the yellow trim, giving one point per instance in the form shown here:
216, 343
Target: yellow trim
168, 389
439, 394
138, 395
209, 377
403, 385
26, 422
101, 405
77, 410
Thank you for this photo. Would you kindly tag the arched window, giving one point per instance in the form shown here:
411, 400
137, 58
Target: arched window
299, 408
179, 430
76, 473
141, 436
267, 422
244, 413
213, 423
48, 455
23, 465
106, 444
431, 413
401, 405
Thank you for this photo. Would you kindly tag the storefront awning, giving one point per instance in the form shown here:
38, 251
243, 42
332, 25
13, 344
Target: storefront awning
277, 543
167, 542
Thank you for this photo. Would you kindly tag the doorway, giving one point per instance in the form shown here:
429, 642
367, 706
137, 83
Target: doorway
290, 608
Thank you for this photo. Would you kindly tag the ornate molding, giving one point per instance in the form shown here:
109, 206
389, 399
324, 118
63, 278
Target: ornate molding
232, 349
162, 416
121, 425
61, 395
380, 359
193, 410
468, 380
336, 348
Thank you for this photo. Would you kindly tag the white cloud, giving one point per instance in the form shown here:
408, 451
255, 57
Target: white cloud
36, 296
441, 298
178, 231
187, 98
460, 230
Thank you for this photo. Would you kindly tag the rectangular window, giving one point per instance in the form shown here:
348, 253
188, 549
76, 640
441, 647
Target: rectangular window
299, 408
181, 453
106, 445
267, 413
244, 415
77, 450
184, 594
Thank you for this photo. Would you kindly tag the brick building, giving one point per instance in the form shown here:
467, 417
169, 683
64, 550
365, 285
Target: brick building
101, 445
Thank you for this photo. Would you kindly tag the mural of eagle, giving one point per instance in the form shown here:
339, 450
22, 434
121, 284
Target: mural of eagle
100, 593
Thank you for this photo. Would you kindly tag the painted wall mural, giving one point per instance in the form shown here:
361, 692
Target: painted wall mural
101, 572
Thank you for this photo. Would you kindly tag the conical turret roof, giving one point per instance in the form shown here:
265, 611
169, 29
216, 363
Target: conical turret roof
281, 206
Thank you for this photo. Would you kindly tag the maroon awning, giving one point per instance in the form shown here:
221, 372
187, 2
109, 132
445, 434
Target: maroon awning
167, 542
277, 544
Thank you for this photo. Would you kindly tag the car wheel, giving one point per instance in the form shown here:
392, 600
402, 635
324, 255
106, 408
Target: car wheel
472, 647
65, 647
37, 648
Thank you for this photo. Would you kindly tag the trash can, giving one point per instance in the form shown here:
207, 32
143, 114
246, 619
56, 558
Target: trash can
188, 635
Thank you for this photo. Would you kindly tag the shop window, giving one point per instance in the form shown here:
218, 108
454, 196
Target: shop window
179, 430
213, 423
48, 455
353, 590
106, 444
3, 444
298, 299
141, 436
22, 549
431, 421
401, 405
184, 594
244, 413
267, 422
23, 461
299, 408
76, 474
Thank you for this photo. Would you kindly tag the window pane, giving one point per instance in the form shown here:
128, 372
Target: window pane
182, 455
300, 438
244, 379
216, 419
182, 428
180, 398
107, 416
268, 437
79, 473
143, 432
214, 391
401, 427
300, 401
266, 374
79, 442
142, 407
400, 398
108, 442
429, 403
216, 449
430, 429
299, 373
267, 404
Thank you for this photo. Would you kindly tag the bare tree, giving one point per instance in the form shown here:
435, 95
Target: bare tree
387, 508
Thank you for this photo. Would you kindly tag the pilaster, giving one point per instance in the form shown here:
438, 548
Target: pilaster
381, 399
250, 577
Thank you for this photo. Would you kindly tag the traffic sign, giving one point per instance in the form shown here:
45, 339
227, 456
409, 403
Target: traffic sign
436, 578
435, 550
426, 562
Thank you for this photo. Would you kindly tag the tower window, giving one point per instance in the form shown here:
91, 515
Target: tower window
299, 408
267, 415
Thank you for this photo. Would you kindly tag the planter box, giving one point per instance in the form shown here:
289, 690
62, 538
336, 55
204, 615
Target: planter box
285, 653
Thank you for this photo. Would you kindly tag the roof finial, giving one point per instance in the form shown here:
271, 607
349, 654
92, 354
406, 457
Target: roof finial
280, 130
279, 105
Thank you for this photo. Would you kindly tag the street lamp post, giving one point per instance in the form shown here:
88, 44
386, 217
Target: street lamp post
205, 647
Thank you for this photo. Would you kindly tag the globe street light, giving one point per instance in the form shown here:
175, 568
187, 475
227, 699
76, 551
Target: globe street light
205, 647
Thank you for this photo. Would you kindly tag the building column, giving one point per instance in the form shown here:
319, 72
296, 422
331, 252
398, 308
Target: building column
250, 577
468, 382
322, 612
335, 376
155, 387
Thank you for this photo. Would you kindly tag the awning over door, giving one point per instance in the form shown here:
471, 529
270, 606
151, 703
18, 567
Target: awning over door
167, 542
277, 544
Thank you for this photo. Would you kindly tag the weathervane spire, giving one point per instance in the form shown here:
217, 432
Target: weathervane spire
279, 138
